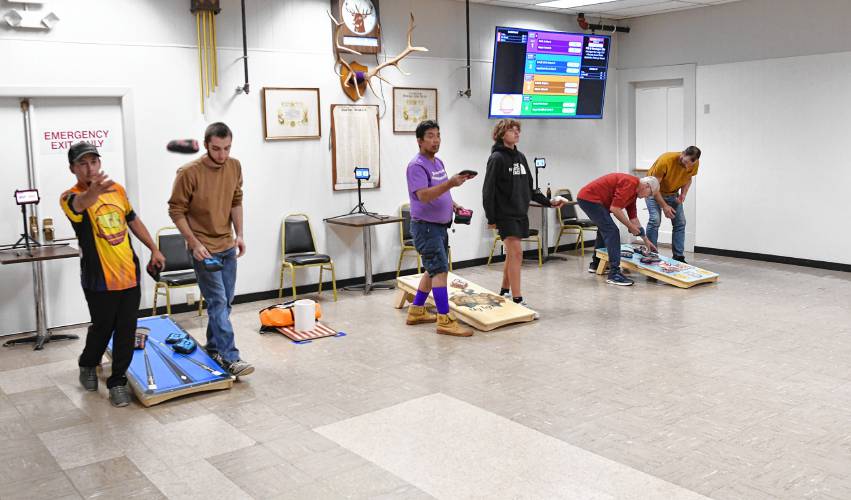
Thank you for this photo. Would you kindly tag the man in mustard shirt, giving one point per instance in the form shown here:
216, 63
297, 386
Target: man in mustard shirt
674, 171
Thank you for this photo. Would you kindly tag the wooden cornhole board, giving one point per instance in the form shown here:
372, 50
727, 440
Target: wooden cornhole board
157, 373
669, 270
478, 307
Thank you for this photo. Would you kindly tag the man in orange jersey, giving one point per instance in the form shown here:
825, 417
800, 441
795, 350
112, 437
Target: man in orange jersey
100, 214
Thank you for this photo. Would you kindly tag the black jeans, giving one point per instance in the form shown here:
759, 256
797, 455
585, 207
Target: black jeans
112, 311
608, 234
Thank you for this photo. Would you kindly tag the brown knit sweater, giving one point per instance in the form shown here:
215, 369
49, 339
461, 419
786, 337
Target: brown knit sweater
204, 194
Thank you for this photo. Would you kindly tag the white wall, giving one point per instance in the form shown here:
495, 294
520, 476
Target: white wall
746, 30
776, 76
149, 46
775, 180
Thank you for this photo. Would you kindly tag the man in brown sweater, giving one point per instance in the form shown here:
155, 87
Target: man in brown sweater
205, 201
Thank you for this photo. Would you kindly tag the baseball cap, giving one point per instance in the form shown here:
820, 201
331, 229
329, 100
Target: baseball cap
81, 149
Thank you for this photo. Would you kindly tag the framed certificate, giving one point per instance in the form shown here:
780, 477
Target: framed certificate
291, 113
412, 106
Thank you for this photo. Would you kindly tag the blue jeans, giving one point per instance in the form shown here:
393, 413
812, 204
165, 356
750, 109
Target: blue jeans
432, 243
678, 238
608, 234
218, 289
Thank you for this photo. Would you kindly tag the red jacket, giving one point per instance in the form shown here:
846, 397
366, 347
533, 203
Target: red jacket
613, 190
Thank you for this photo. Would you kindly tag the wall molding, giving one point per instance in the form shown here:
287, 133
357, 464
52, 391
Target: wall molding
777, 259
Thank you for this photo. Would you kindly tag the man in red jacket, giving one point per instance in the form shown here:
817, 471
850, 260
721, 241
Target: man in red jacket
610, 195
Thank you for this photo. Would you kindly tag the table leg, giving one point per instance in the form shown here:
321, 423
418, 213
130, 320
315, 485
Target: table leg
545, 237
368, 285
367, 259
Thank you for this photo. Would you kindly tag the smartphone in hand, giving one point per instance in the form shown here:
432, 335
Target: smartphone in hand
469, 173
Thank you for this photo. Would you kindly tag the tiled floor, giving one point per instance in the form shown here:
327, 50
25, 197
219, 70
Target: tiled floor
740, 389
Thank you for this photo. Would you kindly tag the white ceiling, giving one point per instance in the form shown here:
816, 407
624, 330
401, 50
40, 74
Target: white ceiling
617, 9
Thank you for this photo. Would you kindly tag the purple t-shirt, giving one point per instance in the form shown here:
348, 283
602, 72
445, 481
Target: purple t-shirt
424, 173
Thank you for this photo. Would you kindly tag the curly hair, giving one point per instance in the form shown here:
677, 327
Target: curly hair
503, 125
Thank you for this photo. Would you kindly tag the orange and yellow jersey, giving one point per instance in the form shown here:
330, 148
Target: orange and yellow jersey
107, 260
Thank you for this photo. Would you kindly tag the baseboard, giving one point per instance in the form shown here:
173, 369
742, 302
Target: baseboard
777, 259
359, 280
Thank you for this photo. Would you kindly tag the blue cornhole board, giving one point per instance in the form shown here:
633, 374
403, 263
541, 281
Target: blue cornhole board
166, 374
669, 270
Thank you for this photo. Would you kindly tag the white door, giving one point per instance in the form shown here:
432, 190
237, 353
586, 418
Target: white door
17, 302
658, 129
57, 123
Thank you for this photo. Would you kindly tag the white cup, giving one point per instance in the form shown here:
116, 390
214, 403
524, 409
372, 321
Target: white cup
305, 315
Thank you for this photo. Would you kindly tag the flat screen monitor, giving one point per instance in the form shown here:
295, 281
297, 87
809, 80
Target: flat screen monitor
27, 196
362, 173
548, 74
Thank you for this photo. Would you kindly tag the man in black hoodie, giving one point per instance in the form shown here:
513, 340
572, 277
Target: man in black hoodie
506, 194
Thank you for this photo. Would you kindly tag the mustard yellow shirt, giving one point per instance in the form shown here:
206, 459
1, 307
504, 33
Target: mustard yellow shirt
671, 174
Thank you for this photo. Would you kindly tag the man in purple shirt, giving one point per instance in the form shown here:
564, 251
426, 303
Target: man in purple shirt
431, 214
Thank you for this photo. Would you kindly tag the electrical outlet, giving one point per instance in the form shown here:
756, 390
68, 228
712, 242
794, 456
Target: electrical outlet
706, 109
190, 299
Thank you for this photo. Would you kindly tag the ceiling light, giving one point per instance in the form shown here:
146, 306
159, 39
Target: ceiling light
567, 4
30, 19
13, 18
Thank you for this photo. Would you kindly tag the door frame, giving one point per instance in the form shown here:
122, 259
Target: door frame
628, 81
128, 120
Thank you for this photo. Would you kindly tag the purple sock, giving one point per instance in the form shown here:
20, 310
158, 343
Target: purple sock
441, 299
420, 298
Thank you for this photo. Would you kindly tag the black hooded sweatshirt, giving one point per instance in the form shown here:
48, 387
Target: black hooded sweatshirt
507, 189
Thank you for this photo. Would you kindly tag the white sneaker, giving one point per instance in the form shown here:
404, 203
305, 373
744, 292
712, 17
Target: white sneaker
526, 305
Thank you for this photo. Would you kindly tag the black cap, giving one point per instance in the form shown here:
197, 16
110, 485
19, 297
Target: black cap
81, 149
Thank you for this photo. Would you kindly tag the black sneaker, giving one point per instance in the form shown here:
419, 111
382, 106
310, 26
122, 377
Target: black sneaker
119, 395
619, 279
89, 378
592, 268
680, 258
240, 368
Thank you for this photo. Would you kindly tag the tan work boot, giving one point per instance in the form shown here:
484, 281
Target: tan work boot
419, 314
448, 325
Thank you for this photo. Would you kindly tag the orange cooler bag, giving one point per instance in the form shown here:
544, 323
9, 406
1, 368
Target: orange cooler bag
280, 315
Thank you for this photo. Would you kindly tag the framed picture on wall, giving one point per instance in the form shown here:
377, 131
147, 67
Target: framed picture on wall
291, 113
354, 144
411, 106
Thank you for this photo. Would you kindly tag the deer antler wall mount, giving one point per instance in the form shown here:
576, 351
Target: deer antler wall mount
355, 77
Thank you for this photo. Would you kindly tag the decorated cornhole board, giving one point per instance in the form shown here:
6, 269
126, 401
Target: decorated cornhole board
668, 270
157, 373
477, 306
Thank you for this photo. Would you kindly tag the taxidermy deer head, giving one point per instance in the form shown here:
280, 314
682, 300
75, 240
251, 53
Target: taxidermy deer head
355, 77
358, 17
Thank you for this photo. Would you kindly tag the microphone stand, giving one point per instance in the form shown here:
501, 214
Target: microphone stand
25, 240
359, 209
